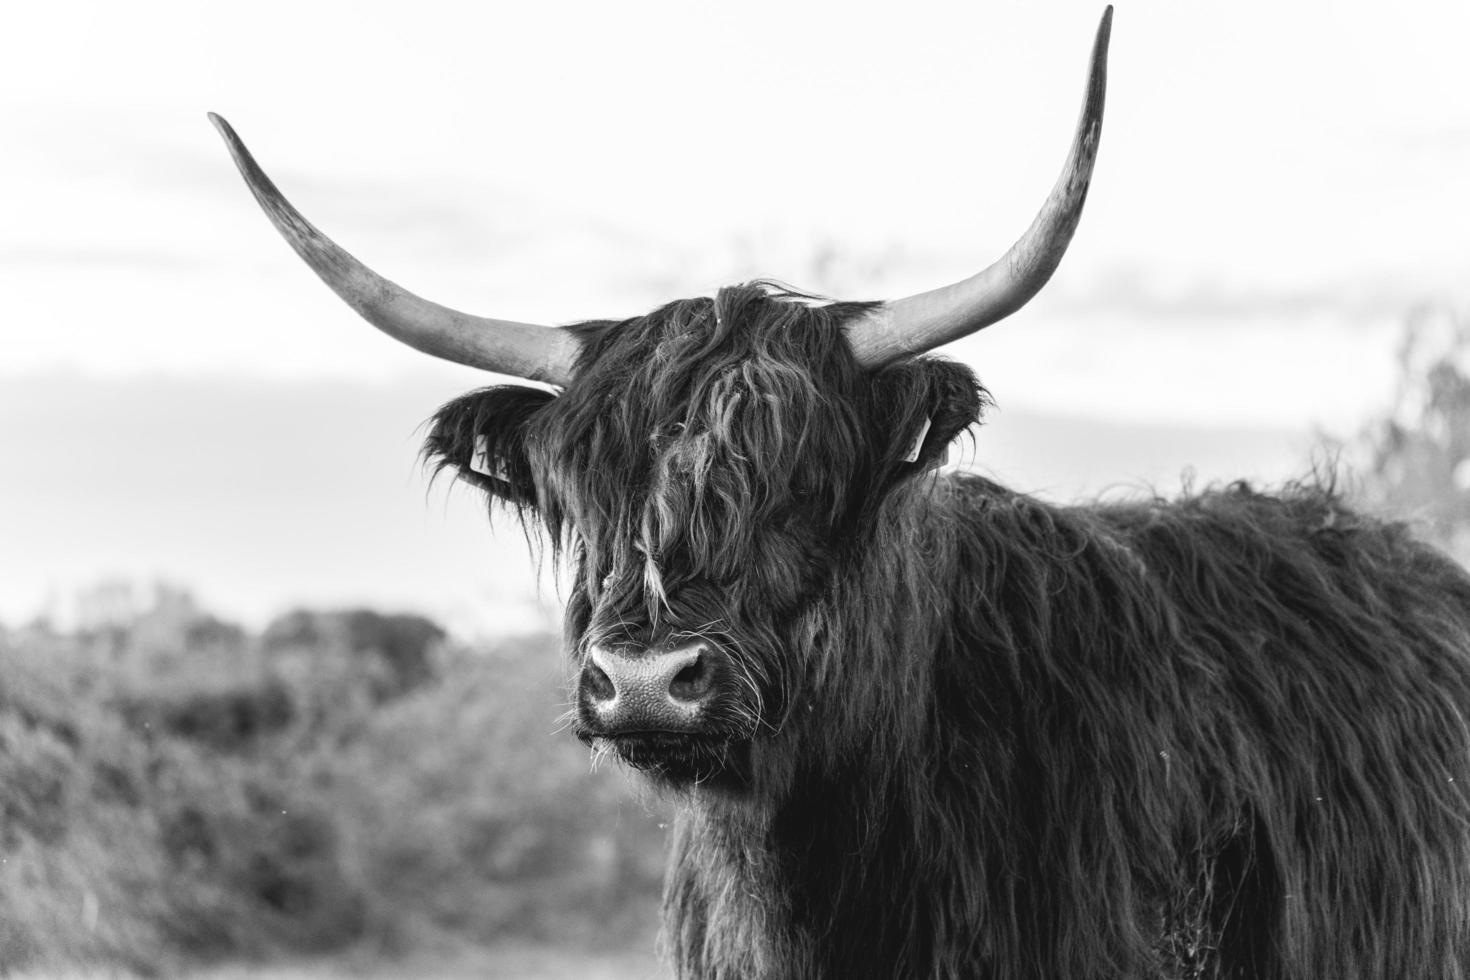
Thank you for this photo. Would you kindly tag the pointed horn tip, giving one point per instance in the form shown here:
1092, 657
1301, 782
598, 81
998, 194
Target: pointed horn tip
227, 131
1105, 27
1098, 68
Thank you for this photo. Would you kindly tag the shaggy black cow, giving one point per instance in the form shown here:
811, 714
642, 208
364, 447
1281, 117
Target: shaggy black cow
923, 726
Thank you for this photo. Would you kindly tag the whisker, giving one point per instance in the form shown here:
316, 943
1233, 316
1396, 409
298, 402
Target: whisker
564, 720
601, 749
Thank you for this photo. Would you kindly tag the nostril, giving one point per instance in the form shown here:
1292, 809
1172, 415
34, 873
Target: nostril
694, 681
598, 685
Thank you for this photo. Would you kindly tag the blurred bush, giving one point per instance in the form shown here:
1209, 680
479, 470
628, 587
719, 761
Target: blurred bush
174, 789
499, 828
393, 654
231, 718
1414, 461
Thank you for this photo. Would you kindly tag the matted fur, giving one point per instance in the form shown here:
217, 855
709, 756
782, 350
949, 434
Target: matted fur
982, 735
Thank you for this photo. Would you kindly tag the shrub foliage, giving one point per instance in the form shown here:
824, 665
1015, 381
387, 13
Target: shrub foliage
174, 789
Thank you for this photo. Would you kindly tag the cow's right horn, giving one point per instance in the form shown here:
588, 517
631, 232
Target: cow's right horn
524, 350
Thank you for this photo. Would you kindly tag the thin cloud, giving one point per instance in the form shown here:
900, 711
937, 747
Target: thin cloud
91, 258
1211, 302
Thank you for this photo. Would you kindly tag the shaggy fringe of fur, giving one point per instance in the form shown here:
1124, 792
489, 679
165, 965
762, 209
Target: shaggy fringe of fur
1223, 736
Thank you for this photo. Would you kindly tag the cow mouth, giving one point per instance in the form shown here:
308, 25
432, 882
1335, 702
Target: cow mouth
680, 758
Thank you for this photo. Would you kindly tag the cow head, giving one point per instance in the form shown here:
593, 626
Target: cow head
709, 471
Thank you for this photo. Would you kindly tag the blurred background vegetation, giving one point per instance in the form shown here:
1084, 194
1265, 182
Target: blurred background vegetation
178, 792
1414, 461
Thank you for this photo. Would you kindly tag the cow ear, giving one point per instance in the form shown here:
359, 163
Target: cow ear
482, 437
922, 405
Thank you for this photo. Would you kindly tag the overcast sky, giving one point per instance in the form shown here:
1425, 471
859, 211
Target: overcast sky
1262, 162
1278, 184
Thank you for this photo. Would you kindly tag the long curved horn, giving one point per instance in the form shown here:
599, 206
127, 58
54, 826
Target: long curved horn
923, 321
524, 350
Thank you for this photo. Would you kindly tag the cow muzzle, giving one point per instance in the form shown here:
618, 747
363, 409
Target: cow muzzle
627, 691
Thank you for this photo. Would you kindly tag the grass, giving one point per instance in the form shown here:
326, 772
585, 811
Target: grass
511, 962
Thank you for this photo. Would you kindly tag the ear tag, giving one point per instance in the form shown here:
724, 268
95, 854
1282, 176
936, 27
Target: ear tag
481, 462
918, 442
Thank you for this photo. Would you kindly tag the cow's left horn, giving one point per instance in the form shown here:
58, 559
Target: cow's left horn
923, 321
524, 350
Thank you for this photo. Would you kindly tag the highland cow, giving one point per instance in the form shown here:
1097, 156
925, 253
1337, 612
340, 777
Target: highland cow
920, 725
